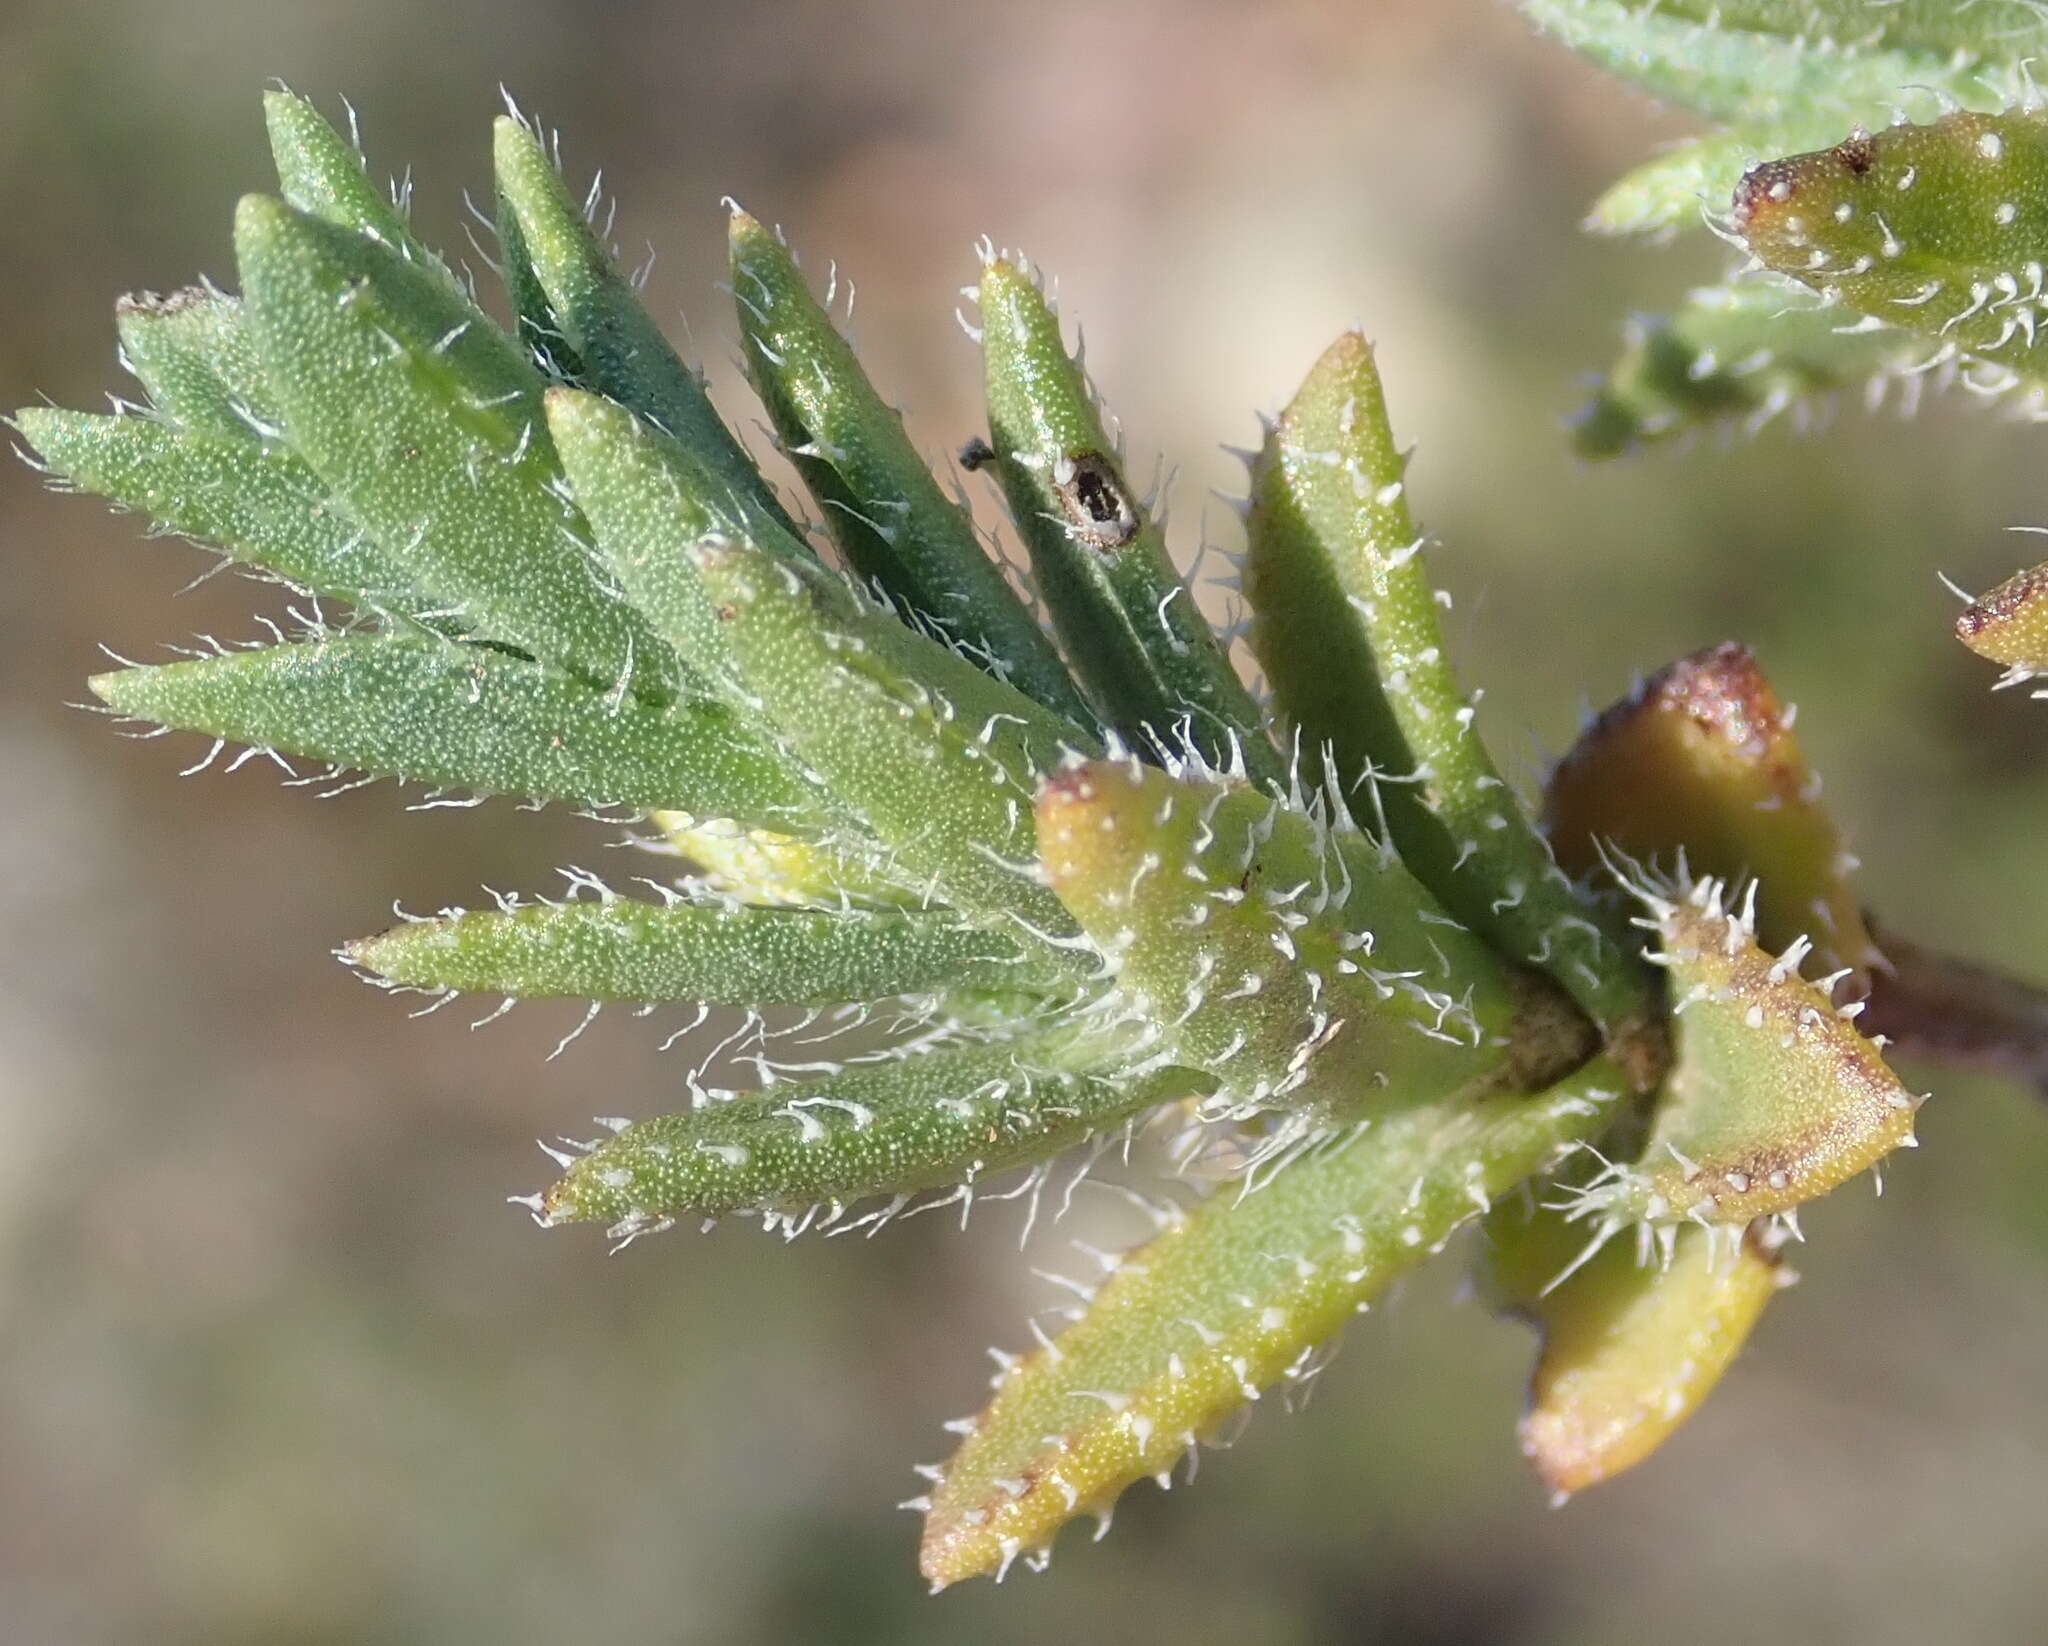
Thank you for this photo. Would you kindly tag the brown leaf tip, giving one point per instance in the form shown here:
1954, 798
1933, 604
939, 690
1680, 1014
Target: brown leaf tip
1722, 691
163, 304
2010, 624
1767, 190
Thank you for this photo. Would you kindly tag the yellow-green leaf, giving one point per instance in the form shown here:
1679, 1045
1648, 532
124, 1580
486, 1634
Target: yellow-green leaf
1774, 1098
1231, 1299
2010, 626
1632, 1340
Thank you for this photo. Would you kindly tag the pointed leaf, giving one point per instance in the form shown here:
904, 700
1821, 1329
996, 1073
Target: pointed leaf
1754, 63
1774, 1098
1690, 183
1740, 355
1346, 624
1235, 1297
1127, 617
468, 717
257, 501
428, 425
618, 349
196, 358
2008, 30
1633, 1342
1675, 189
647, 499
939, 760
1701, 759
217, 466
1250, 975
718, 952
534, 319
321, 173
883, 508
892, 1127
2010, 626
1939, 229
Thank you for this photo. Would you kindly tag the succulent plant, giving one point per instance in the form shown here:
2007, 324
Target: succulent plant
996, 865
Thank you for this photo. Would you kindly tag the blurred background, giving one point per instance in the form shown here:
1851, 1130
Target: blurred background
278, 1365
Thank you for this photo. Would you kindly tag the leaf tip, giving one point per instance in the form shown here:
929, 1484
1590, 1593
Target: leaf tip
746, 232
116, 688
511, 136
2009, 625
281, 105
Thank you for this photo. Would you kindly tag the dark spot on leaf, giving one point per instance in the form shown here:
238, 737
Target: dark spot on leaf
1765, 188
1068, 783
1093, 495
2003, 603
1857, 153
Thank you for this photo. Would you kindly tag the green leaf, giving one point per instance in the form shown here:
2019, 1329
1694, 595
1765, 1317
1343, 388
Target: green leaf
469, 717
1346, 624
611, 339
1248, 973
1682, 186
257, 501
216, 465
2010, 626
647, 498
321, 173
883, 508
1744, 354
1672, 190
719, 952
766, 867
1749, 65
1939, 229
957, 1116
1774, 1098
194, 355
2007, 30
1226, 1302
1127, 617
939, 760
1633, 1342
427, 423
534, 319
1700, 764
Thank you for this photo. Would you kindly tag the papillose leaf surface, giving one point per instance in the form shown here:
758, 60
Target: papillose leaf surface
469, 717
889, 1127
724, 953
1633, 1341
1231, 1299
880, 503
426, 421
1346, 623
1126, 614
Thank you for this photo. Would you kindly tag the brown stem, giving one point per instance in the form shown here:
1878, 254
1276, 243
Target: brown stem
1957, 1012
